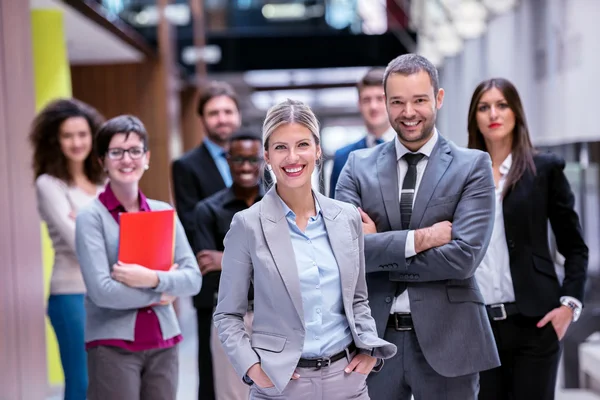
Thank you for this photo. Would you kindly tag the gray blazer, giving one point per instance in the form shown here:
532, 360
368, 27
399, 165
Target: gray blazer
111, 307
258, 248
447, 308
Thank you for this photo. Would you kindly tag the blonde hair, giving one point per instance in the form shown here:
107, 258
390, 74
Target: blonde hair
290, 112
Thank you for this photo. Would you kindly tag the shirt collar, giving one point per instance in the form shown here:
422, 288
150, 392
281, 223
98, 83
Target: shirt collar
214, 149
506, 164
426, 149
387, 136
289, 213
111, 202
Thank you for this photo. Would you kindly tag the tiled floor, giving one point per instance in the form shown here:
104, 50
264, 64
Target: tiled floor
188, 377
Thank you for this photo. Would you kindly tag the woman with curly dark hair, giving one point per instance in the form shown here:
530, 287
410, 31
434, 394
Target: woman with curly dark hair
68, 176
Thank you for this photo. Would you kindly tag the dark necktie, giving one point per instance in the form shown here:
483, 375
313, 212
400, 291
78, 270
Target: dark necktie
378, 141
407, 196
408, 188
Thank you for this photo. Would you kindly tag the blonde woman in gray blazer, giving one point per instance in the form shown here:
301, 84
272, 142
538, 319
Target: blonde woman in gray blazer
313, 335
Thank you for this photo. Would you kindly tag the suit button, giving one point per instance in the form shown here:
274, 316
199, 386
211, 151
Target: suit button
511, 244
388, 299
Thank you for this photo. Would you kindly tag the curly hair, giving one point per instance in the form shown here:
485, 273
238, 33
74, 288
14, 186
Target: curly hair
48, 157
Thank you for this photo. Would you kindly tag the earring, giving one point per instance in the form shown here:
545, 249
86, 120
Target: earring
146, 167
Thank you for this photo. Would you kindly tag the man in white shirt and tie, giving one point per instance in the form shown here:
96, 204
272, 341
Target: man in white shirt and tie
428, 211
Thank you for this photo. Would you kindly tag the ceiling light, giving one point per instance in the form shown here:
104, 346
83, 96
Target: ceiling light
284, 11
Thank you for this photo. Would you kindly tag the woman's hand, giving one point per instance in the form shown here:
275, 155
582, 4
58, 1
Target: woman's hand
361, 363
560, 318
166, 299
134, 275
258, 376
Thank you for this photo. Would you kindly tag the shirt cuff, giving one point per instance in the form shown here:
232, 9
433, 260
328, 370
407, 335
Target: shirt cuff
409, 247
573, 299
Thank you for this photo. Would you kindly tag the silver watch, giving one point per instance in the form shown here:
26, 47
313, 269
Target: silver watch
573, 306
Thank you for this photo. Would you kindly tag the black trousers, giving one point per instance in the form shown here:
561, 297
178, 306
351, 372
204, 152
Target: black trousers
529, 357
206, 390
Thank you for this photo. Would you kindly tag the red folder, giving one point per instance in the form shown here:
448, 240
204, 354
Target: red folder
147, 238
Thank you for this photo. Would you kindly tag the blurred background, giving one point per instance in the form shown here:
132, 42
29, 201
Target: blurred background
149, 58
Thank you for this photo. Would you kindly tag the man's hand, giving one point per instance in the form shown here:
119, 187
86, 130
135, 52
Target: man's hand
361, 363
560, 318
436, 235
134, 275
368, 224
209, 260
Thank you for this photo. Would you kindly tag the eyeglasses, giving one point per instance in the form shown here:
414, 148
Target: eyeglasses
135, 153
238, 161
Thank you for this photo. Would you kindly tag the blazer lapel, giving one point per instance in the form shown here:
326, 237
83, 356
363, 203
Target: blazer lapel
338, 228
387, 172
437, 165
277, 236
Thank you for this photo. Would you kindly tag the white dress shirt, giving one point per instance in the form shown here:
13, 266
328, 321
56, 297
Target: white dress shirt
387, 136
401, 303
493, 275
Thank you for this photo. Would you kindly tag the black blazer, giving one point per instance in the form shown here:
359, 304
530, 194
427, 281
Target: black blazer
528, 207
195, 177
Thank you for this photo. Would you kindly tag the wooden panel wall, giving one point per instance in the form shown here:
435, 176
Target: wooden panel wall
137, 89
191, 127
22, 335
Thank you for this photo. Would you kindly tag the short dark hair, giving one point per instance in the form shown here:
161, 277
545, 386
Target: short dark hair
245, 134
216, 89
373, 77
44, 137
408, 64
126, 124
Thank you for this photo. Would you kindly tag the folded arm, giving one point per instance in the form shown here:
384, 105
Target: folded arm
471, 232
102, 289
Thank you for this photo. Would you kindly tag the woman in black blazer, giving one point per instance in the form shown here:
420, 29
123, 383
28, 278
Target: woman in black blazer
529, 308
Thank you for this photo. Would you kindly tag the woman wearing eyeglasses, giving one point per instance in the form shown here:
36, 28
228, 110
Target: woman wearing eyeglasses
131, 327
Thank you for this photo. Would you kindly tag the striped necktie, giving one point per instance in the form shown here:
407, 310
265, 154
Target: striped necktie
408, 188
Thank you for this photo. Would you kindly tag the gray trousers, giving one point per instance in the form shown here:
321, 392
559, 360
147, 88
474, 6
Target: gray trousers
119, 374
408, 373
328, 383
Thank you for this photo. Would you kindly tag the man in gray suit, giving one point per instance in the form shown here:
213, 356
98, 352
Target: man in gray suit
427, 210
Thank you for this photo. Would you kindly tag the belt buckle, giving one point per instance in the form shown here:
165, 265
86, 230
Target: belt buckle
503, 315
398, 328
323, 362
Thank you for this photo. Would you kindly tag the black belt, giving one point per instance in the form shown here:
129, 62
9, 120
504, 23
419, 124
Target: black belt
401, 322
321, 362
501, 311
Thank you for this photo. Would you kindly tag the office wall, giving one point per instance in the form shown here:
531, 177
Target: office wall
141, 90
22, 336
548, 49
